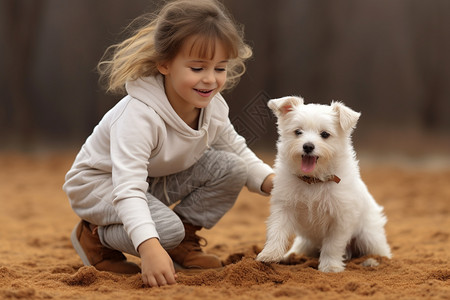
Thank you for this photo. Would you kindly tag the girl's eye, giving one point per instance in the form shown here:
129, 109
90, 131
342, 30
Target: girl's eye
220, 69
298, 132
325, 134
196, 69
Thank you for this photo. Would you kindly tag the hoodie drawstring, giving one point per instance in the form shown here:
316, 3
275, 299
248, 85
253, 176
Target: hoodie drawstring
206, 138
155, 181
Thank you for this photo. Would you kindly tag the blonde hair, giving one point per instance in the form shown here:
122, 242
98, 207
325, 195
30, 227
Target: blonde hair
160, 37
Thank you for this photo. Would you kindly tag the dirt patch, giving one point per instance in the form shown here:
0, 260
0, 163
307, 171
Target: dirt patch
37, 260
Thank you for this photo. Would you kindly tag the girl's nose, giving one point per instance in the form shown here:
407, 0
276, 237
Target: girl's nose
209, 77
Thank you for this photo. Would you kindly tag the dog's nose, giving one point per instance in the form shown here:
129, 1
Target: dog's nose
308, 148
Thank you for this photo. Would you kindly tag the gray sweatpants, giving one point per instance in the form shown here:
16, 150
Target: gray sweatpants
204, 192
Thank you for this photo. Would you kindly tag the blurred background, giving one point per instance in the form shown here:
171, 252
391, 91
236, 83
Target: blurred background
387, 59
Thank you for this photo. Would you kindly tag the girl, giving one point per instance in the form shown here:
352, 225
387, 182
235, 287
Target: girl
169, 141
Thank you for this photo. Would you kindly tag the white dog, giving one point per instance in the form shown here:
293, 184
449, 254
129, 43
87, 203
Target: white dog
318, 193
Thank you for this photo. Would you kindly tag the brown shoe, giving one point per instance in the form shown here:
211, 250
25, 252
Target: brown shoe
188, 253
91, 251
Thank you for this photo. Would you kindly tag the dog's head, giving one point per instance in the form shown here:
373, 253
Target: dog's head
312, 136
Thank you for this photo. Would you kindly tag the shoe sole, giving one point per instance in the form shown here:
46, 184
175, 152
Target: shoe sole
77, 246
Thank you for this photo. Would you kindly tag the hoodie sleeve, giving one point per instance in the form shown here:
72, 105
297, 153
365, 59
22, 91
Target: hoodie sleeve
132, 140
229, 140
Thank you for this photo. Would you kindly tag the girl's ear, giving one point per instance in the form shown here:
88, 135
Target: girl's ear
163, 68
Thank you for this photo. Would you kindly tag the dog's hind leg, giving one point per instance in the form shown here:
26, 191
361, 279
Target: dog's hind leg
372, 238
373, 241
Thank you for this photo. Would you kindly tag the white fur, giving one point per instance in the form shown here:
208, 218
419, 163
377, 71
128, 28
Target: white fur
325, 217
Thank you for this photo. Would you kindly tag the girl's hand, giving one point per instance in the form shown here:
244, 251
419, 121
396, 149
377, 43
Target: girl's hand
267, 185
156, 264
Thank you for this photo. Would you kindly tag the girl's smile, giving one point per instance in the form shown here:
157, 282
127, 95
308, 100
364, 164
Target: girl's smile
204, 93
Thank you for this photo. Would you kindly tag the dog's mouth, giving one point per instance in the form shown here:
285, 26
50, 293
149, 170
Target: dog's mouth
309, 162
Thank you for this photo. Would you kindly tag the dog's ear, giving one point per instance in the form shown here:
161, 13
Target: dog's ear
282, 106
347, 117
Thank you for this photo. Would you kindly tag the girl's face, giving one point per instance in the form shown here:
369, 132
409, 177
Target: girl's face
192, 81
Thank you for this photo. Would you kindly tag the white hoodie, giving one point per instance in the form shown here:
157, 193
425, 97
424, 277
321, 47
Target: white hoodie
143, 136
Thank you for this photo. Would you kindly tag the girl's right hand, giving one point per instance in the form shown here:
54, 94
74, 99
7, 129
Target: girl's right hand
156, 264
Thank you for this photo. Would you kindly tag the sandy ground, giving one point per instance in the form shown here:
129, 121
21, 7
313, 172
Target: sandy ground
37, 260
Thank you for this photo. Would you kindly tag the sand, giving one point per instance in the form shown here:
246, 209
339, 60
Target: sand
37, 260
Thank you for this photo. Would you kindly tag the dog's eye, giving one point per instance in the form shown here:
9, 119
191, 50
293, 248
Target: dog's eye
298, 132
324, 134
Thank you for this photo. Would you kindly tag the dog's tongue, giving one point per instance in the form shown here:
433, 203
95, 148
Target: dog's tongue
308, 163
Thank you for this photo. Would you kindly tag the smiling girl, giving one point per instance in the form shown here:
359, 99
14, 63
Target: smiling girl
167, 143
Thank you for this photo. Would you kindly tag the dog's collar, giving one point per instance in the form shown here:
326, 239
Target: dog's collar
310, 180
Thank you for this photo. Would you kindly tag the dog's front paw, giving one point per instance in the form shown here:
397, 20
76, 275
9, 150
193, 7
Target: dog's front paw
330, 267
269, 256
